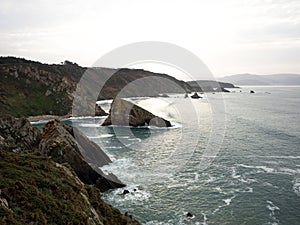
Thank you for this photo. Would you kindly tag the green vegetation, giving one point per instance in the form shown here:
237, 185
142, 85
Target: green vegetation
39, 191
25, 97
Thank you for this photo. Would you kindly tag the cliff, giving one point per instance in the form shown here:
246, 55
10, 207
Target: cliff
45, 177
29, 88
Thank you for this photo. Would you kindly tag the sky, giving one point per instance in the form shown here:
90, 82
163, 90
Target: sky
229, 36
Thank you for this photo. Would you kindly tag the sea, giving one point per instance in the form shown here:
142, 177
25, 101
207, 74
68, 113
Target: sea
229, 158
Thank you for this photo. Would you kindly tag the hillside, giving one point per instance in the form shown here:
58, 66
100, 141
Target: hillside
29, 88
209, 85
252, 79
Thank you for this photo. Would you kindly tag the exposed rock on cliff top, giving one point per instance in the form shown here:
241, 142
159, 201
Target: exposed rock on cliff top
18, 135
124, 113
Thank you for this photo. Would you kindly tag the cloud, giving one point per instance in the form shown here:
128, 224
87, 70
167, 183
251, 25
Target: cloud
217, 31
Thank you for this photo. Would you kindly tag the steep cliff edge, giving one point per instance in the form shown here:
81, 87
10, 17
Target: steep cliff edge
36, 190
45, 176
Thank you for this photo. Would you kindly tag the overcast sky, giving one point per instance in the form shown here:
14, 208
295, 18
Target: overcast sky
230, 36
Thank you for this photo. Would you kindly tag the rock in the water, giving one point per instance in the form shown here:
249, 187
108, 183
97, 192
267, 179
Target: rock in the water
17, 135
189, 215
99, 111
195, 95
124, 113
125, 192
66, 144
252, 92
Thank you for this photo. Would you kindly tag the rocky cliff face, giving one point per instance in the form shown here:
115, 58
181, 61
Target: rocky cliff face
17, 135
124, 113
65, 144
49, 184
61, 142
29, 88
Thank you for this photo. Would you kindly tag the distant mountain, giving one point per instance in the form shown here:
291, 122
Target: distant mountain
252, 79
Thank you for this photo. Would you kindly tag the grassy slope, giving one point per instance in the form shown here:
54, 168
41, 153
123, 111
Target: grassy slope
24, 99
40, 192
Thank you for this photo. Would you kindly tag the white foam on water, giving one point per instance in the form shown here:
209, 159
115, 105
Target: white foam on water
296, 186
40, 121
204, 219
89, 125
113, 147
103, 102
218, 189
249, 190
264, 168
228, 200
156, 222
272, 207
84, 117
101, 136
139, 195
274, 156
269, 185
248, 180
234, 174
288, 171
210, 179
177, 185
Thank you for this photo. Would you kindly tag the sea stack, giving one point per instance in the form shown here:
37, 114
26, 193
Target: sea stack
195, 95
124, 113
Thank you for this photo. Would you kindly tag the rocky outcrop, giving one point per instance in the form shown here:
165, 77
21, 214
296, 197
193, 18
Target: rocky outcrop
99, 111
17, 135
65, 144
124, 113
195, 95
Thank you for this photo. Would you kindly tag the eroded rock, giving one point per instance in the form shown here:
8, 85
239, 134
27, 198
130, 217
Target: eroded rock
124, 113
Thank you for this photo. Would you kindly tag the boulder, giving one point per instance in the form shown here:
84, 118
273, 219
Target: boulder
17, 135
124, 113
65, 144
99, 111
195, 95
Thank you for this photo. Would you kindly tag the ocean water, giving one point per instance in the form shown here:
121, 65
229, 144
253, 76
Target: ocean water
231, 158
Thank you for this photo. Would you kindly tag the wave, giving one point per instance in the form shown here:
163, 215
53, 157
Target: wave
136, 194
280, 170
101, 136
228, 200
296, 186
273, 208
84, 117
103, 102
89, 125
